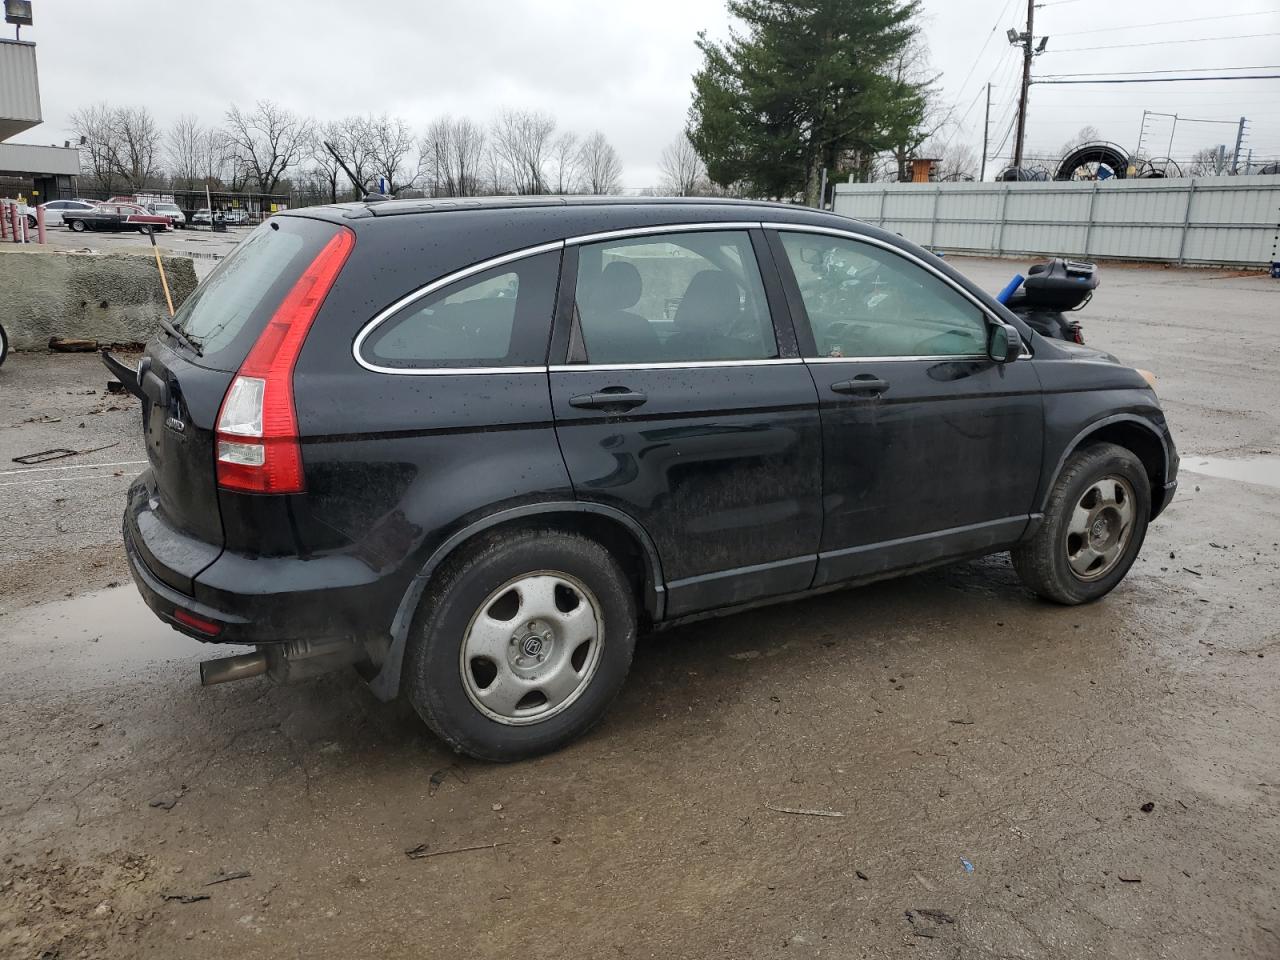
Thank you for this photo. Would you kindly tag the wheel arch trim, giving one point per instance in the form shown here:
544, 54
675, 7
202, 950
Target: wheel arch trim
385, 685
1092, 428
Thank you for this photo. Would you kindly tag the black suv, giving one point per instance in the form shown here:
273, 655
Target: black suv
473, 447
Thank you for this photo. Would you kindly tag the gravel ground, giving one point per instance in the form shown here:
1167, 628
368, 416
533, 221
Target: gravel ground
1015, 779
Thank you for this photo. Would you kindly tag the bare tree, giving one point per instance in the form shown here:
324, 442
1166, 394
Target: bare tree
266, 142
215, 157
137, 147
682, 171
1086, 134
955, 161
324, 168
354, 144
522, 139
184, 148
120, 145
450, 157
495, 172
1204, 163
95, 127
601, 168
566, 164
391, 142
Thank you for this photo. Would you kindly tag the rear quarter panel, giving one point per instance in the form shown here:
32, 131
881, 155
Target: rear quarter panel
396, 463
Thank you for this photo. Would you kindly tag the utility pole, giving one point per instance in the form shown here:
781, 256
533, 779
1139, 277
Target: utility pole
1026, 39
986, 130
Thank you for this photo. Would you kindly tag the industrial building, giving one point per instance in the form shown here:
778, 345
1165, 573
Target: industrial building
36, 172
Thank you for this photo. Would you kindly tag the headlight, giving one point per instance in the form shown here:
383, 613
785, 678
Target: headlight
1148, 376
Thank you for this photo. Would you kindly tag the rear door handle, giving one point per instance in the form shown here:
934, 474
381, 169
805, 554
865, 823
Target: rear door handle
864, 384
609, 398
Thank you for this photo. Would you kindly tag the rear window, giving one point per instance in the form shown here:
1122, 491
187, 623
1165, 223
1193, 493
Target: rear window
232, 306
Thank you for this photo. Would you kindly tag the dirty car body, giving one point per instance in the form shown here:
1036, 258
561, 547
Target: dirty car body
731, 403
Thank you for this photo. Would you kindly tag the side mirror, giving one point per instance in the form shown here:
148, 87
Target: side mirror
1004, 343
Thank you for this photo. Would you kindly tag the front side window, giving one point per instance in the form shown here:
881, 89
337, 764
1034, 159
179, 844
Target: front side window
864, 301
672, 298
498, 318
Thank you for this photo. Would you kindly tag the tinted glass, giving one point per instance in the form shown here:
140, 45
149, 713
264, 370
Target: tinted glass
864, 301
498, 318
673, 297
245, 289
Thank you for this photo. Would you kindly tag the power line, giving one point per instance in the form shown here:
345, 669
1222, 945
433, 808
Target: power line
1128, 73
1163, 43
1163, 23
1252, 76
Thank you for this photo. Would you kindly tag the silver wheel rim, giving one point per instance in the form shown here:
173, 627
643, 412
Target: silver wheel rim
532, 648
1100, 527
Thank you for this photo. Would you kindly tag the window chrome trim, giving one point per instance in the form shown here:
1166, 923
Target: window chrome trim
713, 226
906, 255
671, 365
431, 288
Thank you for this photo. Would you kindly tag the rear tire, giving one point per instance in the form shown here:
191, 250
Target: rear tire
4, 345
521, 644
1093, 527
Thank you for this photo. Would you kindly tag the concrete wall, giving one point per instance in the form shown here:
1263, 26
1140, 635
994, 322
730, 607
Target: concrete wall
1209, 220
112, 298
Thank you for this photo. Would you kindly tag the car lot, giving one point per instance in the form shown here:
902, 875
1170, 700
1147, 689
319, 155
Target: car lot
203, 245
951, 719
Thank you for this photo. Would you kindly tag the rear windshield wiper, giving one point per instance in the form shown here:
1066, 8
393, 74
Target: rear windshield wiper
181, 337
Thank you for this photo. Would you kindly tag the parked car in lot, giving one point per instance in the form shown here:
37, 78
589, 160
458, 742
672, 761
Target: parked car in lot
177, 219
236, 216
474, 450
55, 211
115, 216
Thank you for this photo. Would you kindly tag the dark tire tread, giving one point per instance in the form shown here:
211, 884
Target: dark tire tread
1040, 563
461, 726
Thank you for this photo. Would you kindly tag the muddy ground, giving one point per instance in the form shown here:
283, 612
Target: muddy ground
1015, 779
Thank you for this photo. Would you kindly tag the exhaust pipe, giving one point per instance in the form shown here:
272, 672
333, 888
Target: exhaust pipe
226, 669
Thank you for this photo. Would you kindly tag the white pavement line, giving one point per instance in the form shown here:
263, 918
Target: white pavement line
72, 466
68, 478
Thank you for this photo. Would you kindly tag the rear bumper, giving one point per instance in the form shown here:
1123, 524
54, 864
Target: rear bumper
258, 599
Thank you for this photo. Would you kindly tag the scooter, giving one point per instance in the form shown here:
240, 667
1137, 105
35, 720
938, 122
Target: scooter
1047, 291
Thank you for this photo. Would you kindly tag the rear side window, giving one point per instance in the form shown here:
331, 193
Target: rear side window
673, 298
497, 318
232, 306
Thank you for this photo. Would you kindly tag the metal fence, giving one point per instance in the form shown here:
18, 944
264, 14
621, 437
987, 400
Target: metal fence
1210, 220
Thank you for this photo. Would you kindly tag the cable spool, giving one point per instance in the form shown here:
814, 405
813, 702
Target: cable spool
1086, 162
1025, 173
1157, 168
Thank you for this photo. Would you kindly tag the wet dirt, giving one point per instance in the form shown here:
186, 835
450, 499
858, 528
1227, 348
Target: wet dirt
1109, 773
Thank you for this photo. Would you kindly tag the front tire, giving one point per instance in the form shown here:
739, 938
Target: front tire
521, 644
76, 225
1093, 527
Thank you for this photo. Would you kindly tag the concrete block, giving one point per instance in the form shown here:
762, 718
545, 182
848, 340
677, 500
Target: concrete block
108, 297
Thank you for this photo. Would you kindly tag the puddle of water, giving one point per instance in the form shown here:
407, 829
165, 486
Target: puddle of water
110, 632
1261, 469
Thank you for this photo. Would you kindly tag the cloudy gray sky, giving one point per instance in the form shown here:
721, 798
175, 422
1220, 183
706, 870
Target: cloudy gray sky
624, 67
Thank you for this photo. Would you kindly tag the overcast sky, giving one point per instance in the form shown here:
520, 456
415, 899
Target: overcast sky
624, 67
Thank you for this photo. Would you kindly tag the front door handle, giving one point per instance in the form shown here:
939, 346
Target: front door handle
611, 398
861, 385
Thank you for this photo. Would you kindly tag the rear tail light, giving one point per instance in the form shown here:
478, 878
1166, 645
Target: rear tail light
257, 434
